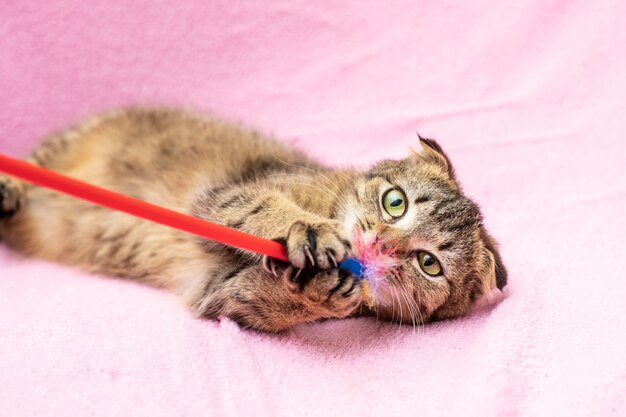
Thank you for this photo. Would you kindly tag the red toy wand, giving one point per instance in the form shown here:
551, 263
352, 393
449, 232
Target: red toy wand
50, 179
373, 263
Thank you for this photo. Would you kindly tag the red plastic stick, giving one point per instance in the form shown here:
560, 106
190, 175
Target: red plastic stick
121, 202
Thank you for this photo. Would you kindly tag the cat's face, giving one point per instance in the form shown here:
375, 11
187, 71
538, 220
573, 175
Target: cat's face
446, 258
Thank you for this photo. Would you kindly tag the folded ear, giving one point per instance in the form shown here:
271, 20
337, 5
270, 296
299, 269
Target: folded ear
498, 274
432, 152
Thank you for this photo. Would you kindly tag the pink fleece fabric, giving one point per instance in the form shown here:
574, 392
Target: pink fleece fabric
527, 97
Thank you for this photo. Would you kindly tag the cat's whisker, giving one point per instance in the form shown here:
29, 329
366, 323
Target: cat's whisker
397, 295
412, 295
308, 177
401, 308
410, 302
315, 188
341, 202
392, 300
320, 187
416, 316
411, 305
341, 193
419, 302
323, 174
400, 293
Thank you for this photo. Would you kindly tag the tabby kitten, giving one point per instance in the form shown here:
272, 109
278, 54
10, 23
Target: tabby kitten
237, 177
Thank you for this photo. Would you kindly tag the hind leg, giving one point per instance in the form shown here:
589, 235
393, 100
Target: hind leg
54, 153
13, 191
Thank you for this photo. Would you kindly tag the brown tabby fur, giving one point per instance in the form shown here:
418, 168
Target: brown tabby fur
237, 177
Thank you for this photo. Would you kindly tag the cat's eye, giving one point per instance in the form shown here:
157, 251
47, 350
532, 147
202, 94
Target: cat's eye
394, 202
429, 264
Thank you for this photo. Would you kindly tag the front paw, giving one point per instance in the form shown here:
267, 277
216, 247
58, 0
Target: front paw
10, 196
330, 293
320, 244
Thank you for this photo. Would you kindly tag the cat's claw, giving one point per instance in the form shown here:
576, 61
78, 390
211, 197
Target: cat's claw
333, 293
331, 256
319, 244
309, 255
271, 265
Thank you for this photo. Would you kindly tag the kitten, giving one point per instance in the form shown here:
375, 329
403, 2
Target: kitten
237, 177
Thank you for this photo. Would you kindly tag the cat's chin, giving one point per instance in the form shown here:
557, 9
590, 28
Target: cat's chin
385, 298
395, 312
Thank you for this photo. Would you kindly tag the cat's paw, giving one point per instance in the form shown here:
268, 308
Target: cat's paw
10, 196
322, 244
331, 293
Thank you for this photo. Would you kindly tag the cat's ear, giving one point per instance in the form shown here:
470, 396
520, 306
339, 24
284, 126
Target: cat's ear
497, 276
432, 152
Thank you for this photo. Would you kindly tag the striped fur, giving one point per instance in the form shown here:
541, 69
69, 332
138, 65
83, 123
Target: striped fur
237, 177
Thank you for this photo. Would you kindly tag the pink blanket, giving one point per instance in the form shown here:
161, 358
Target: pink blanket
528, 98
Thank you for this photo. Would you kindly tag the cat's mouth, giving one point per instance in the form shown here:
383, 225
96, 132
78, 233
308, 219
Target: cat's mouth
379, 263
379, 260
